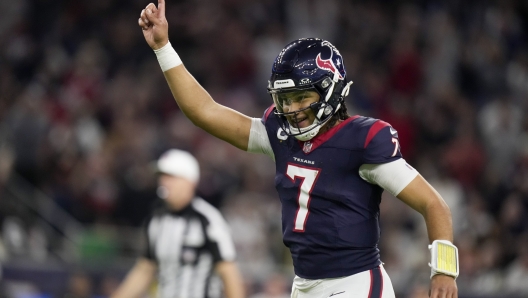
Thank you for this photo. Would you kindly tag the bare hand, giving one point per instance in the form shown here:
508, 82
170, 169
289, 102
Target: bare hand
154, 24
443, 286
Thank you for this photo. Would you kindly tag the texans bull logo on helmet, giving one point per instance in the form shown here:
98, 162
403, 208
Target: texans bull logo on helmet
333, 64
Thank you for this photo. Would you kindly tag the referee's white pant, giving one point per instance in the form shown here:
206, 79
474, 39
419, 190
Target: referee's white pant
374, 283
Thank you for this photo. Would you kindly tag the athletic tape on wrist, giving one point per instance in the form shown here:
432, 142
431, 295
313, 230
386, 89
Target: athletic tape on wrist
444, 258
167, 57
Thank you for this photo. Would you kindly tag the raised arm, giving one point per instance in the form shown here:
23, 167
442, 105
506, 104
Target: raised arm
195, 102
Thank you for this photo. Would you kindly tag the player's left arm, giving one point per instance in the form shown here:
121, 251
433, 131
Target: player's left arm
422, 197
384, 166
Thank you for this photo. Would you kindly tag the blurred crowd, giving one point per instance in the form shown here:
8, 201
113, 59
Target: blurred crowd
84, 109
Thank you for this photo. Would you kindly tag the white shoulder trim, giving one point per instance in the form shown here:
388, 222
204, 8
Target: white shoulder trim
392, 176
217, 230
258, 139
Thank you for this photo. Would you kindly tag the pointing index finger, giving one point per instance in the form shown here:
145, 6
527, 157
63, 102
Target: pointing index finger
161, 7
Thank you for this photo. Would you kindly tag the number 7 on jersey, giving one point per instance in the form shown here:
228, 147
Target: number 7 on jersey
308, 178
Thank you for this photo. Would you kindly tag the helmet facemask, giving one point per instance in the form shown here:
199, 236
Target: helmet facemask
324, 109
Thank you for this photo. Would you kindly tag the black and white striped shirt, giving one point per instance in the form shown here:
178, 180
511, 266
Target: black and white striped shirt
186, 245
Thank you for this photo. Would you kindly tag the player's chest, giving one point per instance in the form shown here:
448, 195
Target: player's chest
332, 156
327, 165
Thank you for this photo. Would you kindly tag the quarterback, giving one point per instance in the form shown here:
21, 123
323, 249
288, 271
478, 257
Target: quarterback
331, 168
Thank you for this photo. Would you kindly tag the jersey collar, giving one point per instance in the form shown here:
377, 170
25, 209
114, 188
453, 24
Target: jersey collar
318, 140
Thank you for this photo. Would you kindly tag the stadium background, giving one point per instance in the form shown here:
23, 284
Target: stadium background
84, 109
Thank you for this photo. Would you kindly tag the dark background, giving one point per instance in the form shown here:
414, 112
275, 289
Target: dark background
84, 109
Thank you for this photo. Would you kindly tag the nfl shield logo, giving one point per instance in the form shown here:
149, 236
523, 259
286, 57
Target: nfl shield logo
307, 147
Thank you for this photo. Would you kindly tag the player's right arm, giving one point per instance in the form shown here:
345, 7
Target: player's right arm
137, 281
195, 102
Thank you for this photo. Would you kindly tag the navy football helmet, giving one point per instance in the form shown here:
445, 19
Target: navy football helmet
309, 64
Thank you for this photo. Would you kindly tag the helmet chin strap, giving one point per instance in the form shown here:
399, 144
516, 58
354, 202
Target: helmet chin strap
311, 131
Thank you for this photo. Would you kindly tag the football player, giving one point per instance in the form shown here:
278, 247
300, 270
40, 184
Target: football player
331, 168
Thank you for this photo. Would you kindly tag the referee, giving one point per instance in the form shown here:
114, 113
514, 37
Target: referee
188, 241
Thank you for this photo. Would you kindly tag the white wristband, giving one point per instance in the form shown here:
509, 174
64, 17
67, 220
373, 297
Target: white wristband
167, 57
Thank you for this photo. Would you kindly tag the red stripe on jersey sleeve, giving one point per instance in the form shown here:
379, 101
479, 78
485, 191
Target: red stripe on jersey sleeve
268, 112
374, 129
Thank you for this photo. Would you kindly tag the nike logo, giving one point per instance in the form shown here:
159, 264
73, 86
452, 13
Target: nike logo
336, 294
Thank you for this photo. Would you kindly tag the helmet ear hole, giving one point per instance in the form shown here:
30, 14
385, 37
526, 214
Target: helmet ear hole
327, 110
325, 83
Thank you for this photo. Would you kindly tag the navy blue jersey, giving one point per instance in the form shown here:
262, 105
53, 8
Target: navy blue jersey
330, 215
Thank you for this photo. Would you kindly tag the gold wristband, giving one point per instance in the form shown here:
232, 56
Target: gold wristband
444, 258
